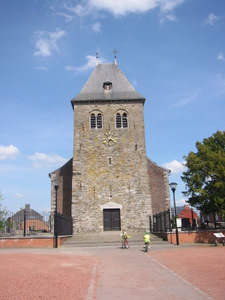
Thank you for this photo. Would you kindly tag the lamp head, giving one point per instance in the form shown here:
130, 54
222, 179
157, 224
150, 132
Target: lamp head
173, 186
56, 183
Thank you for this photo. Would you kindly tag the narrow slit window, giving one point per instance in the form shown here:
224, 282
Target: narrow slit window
93, 121
125, 123
118, 120
99, 121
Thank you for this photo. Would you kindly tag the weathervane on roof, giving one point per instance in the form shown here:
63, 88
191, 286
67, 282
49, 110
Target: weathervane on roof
115, 51
96, 58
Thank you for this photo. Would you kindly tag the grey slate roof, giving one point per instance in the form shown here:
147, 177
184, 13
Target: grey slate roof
121, 88
179, 209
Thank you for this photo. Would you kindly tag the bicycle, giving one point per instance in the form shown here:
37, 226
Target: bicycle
146, 247
125, 242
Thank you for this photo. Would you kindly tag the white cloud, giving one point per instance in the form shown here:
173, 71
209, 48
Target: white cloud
68, 18
221, 57
96, 27
91, 63
18, 195
80, 10
175, 166
171, 17
46, 42
186, 100
211, 19
41, 160
181, 202
122, 8
8, 152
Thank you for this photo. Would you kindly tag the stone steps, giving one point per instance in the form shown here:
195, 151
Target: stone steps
108, 239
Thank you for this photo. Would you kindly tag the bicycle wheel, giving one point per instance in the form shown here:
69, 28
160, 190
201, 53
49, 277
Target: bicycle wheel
146, 247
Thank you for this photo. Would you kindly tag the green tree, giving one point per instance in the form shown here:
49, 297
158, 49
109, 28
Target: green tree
3, 215
205, 175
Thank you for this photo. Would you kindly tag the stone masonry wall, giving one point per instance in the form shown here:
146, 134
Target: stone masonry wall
110, 176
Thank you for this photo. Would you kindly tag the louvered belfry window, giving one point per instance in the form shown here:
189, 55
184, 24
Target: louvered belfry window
96, 121
125, 123
121, 120
93, 121
99, 121
118, 120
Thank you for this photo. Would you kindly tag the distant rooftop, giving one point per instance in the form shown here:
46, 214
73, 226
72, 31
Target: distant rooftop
107, 83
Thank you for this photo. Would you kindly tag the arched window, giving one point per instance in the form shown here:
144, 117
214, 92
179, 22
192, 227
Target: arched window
96, 121
93, 121
99, 120
118, 120
121, 120
125, 123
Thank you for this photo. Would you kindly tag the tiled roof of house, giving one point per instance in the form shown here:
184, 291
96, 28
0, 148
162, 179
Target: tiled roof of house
179, 209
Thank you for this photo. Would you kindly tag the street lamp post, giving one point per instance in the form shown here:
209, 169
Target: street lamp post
56, 186
173, 186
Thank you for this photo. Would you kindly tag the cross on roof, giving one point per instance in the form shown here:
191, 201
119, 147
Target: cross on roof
115, 51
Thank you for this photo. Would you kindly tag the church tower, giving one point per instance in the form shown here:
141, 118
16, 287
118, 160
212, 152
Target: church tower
110, 180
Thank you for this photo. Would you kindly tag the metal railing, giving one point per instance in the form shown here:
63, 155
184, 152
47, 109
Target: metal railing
63, 224
161, 222
27, 222
31, 223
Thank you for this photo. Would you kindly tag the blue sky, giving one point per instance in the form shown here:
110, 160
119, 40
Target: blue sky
172, 51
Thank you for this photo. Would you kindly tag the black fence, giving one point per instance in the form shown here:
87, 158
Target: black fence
28, 222
161, 222
63, 224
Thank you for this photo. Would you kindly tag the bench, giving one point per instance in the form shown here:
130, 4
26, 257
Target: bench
219, 235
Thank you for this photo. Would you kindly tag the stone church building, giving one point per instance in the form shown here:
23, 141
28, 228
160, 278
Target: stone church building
110, 184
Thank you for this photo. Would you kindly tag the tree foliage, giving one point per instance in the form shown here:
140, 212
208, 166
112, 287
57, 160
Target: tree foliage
3, 215
205, 175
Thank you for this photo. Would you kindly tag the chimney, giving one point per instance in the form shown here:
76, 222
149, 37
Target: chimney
27, 207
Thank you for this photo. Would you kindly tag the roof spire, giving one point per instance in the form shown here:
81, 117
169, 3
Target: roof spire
96, 58
115, 51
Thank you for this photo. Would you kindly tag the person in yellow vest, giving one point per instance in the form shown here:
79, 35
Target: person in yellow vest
147, 239
124, 236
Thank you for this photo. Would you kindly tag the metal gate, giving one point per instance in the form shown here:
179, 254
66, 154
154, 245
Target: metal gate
63, 224
111, 219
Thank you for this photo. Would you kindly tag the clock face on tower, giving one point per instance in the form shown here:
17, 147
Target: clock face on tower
109, 139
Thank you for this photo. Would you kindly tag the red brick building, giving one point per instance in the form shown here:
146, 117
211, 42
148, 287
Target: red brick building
187, 215
35, 225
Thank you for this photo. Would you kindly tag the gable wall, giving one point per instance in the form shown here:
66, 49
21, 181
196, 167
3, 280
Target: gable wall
64, 192
159, 187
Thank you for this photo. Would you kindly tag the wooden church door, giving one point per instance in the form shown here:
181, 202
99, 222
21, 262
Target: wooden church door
111, 219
